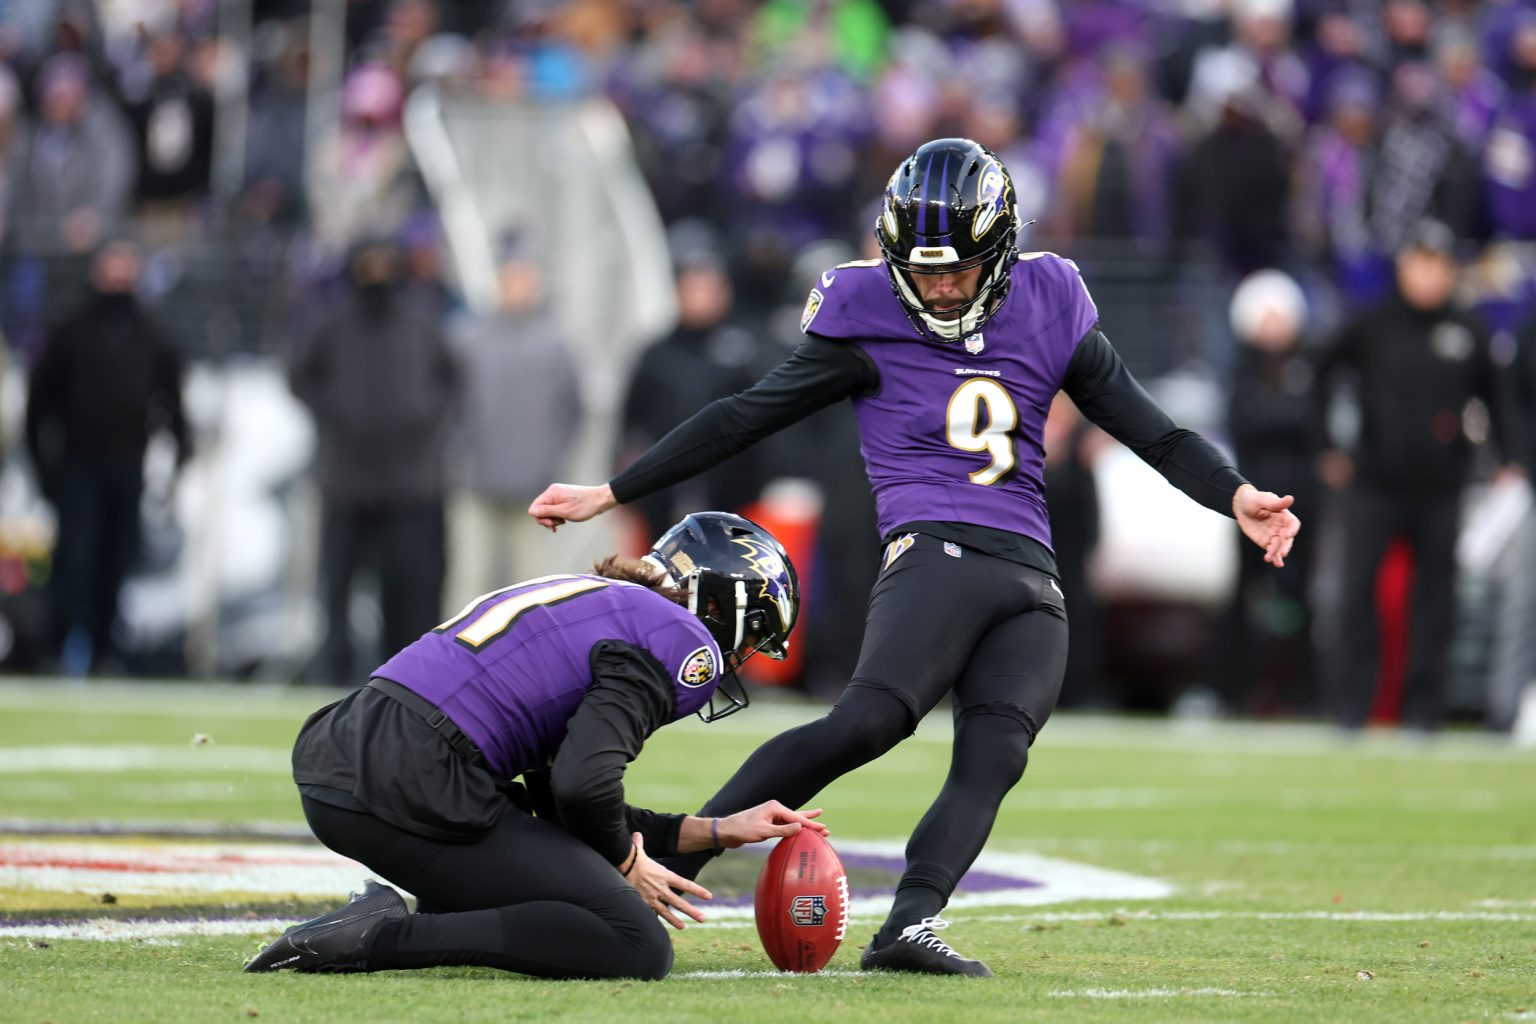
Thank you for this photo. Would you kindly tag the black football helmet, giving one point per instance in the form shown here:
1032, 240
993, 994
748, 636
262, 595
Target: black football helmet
949, 207
742, 586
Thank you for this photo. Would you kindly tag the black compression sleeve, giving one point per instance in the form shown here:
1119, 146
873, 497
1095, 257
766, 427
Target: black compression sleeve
631, 696
1110, 397
819, 373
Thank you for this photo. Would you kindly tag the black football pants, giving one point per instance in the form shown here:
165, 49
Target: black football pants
942, 620
528, 897
1373, 520
406, 546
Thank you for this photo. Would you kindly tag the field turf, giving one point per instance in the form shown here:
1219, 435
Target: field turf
1312, 878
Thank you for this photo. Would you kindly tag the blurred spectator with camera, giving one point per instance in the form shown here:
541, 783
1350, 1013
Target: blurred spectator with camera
1417, 361
107, 378
381, 383
519, 417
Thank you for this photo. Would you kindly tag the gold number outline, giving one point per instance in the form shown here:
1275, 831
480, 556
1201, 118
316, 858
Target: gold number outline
505, 614
988, 393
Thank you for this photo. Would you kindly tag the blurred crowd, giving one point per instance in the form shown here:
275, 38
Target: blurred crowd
1276, 162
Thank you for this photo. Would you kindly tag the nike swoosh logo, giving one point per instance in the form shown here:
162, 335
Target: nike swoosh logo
826, 279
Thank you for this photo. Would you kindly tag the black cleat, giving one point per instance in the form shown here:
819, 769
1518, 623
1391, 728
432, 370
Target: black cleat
337, 942
920, 951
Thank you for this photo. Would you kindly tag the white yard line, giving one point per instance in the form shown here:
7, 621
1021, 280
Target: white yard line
836, 972
1338, 916
1281, 848
106, 759
108, 930
1152, 993
1110, 798
176, 699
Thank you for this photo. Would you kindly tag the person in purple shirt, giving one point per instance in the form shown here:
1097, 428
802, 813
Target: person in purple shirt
1509, 156
557, 681
951, 347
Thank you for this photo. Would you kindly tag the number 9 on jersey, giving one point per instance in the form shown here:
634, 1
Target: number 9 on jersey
981, 418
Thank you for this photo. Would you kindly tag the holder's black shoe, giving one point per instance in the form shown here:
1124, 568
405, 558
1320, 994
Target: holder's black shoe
920, 951
337, 942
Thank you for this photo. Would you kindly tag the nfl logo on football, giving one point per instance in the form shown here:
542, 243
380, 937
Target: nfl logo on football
808, 911
974, 343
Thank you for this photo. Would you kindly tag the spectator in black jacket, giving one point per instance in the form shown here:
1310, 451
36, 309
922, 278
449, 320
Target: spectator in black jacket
1419, 361
705, 358
1266, 663
173, 119
1234, 186
380, 380
106, 379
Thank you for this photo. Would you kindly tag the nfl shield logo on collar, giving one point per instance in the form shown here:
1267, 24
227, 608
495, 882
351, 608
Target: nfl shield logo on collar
974, 343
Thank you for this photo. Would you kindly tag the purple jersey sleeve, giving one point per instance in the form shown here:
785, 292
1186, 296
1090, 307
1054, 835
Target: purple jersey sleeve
855, 301
1056, 282
691, 658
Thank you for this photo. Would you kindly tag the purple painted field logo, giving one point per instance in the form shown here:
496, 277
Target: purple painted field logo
808, 911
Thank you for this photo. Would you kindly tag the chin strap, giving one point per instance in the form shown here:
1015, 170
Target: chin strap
975, 314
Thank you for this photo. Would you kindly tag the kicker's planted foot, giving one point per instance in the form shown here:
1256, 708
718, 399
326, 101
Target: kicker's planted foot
918, 950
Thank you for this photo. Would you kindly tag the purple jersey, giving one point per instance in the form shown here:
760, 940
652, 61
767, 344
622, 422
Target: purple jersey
513, 666
956, 431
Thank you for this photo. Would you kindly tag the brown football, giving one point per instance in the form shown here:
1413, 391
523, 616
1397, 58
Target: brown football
802, 903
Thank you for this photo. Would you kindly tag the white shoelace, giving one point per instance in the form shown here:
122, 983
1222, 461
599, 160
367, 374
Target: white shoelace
922, 934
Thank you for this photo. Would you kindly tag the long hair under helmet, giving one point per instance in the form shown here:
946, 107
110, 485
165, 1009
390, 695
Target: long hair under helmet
949, 207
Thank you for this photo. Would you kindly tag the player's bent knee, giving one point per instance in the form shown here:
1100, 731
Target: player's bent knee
871, 719
647, 948
998, 736
654, 962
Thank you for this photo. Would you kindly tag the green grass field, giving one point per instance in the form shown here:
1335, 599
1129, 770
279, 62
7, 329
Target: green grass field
1308, 878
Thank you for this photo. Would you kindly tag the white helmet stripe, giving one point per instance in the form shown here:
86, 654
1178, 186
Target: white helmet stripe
741, 616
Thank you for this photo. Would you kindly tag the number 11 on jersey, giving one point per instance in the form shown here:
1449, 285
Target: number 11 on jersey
982, 418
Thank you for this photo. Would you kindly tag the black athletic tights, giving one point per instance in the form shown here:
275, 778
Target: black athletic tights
528, 897
990, 631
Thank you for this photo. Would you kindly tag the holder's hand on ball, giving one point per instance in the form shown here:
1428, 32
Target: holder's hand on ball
769, 820
655, 884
